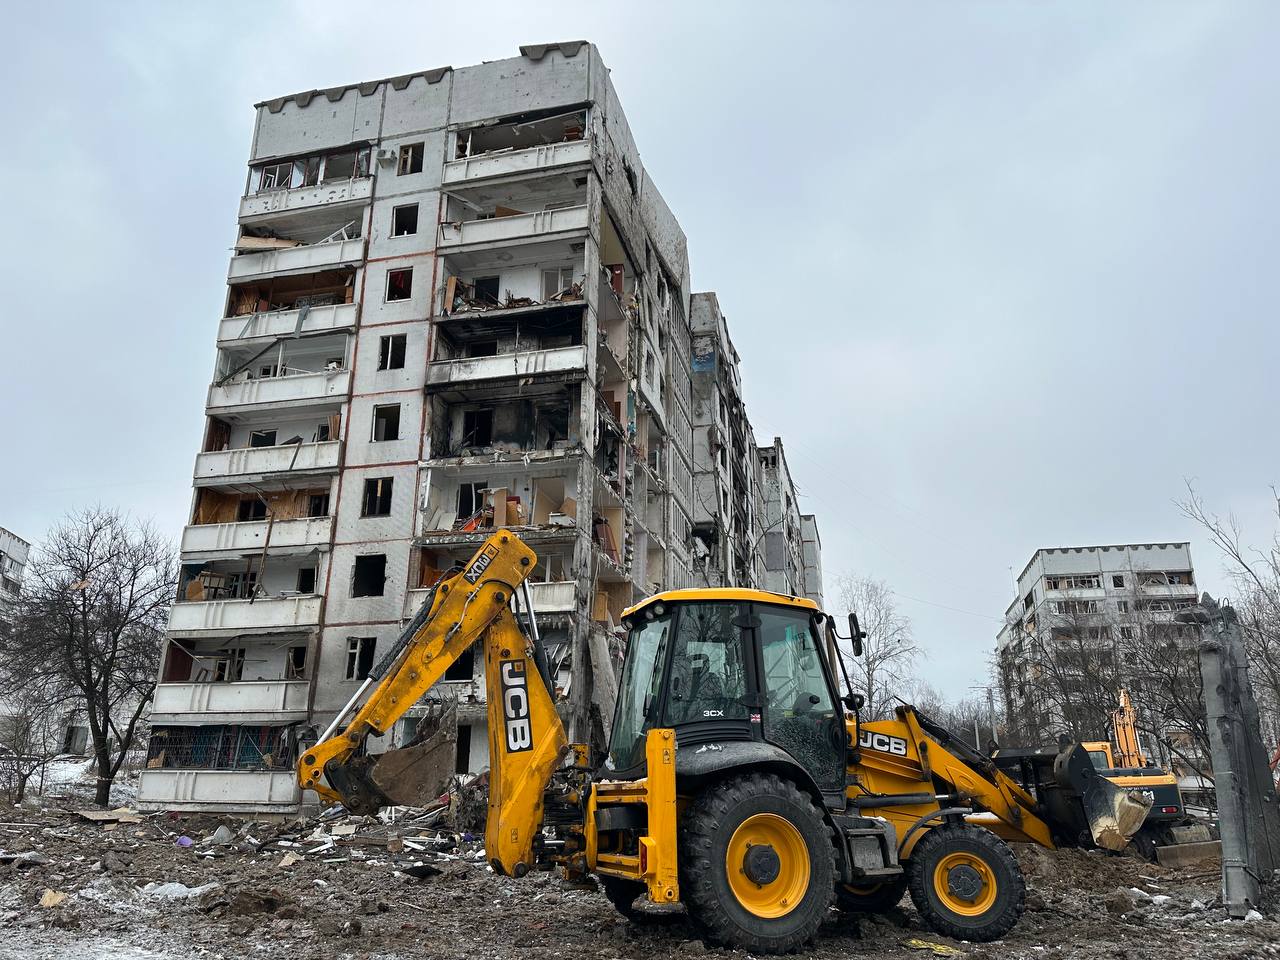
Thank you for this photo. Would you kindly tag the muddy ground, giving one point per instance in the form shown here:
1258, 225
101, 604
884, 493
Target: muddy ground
135, 891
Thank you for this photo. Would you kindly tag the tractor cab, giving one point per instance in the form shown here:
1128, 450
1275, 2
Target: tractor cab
744, 679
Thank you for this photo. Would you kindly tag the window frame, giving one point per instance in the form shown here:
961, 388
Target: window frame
386, 296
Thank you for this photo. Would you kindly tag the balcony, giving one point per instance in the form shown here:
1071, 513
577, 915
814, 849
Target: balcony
212, 541
445, 373
553, 597
256, 464
343, 193
1179, 590
210, 618
298, 390
338, 317
242, 791
511, 163
520, 228
251, 701
307, 258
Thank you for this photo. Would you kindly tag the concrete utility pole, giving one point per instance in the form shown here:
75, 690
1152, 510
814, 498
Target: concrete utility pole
1247, 803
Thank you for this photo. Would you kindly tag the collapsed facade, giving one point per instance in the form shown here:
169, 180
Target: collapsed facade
457, 302
14, 553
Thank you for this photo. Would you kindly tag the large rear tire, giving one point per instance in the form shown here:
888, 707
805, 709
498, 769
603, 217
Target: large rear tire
757, 865
876, 898
965, 883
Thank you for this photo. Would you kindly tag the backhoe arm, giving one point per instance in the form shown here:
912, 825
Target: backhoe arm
526, 735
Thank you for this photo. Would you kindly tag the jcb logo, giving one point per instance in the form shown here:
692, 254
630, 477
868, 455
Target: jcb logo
515, 706
882, 743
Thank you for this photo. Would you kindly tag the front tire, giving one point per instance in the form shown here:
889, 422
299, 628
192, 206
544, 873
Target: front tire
965, 883
757, 865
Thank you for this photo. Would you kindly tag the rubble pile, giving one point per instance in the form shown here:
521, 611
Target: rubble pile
407, 885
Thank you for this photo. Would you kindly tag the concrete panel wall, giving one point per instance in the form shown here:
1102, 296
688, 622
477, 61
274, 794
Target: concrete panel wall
321, 125
362, 449
519, 85
369, 379
420, 106
342, 608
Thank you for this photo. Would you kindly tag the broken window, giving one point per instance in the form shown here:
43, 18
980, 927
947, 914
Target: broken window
369, 575
386, 422
346, 165
229, 667
391, 351
1117, 580
275, 176
399, 284
306, 171
462, 758
410, 159
463, 669
556, 281
295, 665
262, 438
404, 220
477, 428
1122, 606
250, 509
360, 656
307, 580
486, 289
471, 498
482, 348
318, 505
242, 586
377, 497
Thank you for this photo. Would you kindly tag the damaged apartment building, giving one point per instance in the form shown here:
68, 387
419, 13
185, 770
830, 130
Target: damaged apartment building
747, 527
456, 302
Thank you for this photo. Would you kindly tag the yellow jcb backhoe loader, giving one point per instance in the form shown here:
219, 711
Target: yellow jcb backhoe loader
738, 781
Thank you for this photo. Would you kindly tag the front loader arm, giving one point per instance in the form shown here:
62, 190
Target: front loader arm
463, 607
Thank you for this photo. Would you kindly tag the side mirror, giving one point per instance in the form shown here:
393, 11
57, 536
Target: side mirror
856, 635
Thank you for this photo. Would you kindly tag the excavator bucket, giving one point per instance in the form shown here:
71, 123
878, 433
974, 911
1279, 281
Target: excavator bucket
417, 775
1112, 815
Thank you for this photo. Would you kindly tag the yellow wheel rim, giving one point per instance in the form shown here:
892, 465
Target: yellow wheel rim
965, 884
779, 884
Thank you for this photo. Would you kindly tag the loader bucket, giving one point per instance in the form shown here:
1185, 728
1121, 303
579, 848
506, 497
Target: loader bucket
1111, 815
416, 776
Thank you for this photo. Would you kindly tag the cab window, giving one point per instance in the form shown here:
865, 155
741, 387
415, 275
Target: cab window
638, 691
708, 675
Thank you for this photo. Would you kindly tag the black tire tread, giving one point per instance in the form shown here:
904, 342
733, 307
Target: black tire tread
697, 867
920, 879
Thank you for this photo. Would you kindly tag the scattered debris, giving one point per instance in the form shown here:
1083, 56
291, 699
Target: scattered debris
938, 949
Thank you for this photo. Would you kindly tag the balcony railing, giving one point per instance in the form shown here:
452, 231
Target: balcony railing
270, 614
307, 198
303, 388
526, 364
545, 157
554, 597
238, 538
244, 791
525, 226
249, 701
304, 259
292, 459
280, 323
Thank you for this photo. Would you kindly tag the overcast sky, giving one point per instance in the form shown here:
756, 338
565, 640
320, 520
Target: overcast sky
1001, 274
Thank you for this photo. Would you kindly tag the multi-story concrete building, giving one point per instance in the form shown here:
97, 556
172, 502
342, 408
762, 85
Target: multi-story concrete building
457, 302
14, 552
1076, 628
812, 558
782, 536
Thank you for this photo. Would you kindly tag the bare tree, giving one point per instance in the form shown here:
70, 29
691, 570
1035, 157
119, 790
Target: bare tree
958, 716
889, 650
91, 619
1255, 574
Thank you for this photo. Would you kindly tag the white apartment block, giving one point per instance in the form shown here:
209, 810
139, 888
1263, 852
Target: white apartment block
1109, 592
789, 560
14, 553
456, 302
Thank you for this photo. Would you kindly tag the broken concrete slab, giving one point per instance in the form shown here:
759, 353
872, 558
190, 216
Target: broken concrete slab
1185, 854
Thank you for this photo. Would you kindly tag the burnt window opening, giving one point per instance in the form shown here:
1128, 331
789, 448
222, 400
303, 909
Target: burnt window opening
399, 284
377, 497
471, 498
404, 220
386, 422
464, 668
391, 351
410, 159
322, 432
486, 289
482, 348
307, 580
360, 657
477, 428
462, 762
250, 509
318, 505
369, 575
295, 665
262, 438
